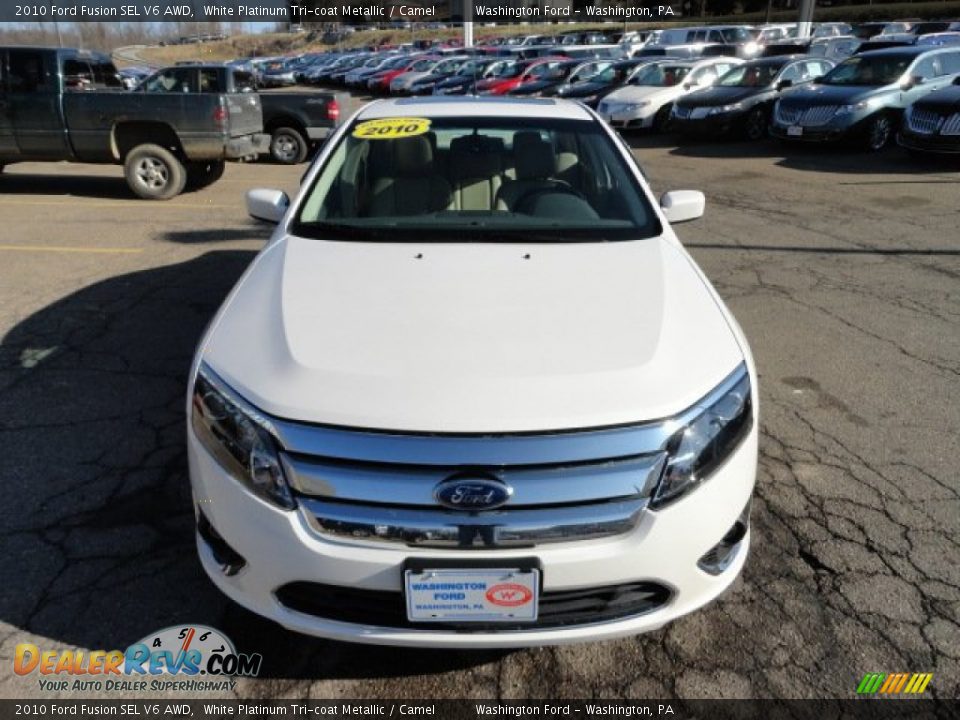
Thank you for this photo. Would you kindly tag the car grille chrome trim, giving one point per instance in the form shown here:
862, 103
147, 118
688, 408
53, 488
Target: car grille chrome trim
503, 528
951, 126
412, 485
818, 115
924, 122
787, 115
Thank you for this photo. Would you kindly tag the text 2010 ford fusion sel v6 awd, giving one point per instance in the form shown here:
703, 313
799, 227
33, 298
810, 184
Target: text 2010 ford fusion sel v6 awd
473, 392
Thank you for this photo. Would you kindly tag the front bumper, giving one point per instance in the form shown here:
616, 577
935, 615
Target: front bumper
637, 118
947, 144
280, 548
711, 125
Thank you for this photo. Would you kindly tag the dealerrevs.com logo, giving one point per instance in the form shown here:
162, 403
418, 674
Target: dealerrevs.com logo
189, 658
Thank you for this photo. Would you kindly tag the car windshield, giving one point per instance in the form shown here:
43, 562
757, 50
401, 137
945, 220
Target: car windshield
660, 75
869, 70
736, 35
504, 69
749, 76
490, 179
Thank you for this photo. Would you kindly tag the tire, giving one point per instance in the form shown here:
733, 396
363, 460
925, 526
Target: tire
661, 121
288, 146
154, 173
200, 175
878, 132
755, 124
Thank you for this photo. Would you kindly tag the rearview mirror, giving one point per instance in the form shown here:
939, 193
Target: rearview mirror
682, 205
267, 205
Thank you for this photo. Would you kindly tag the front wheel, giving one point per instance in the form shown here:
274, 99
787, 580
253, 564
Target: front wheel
661, 121
154, 173
755, 124
878, 131
202, 174
288, 146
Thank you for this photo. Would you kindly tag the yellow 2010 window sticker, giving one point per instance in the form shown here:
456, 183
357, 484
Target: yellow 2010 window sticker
391, 128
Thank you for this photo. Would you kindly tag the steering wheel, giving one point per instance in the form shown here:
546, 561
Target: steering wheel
559, 187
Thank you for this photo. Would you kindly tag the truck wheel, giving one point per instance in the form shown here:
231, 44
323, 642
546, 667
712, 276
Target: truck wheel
288, 146
154, 173
202, 174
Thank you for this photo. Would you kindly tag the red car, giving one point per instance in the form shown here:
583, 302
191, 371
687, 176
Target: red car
526, 71
380, 83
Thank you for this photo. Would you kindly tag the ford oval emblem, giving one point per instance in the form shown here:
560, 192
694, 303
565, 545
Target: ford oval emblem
472, 493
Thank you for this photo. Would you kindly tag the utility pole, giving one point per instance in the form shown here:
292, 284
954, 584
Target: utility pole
468, 23
805, 26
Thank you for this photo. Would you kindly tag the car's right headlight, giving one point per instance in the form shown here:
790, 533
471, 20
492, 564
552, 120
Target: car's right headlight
705, 442
237, 436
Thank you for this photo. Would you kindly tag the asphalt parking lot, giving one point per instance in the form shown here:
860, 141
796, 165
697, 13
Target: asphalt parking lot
843, 270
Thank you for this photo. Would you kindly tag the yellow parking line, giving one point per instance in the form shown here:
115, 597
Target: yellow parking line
69, 249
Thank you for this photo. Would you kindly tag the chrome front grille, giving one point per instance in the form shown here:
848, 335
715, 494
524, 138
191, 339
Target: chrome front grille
951, 126
787, 115
818, 115
382, 487
924, 122
395, 503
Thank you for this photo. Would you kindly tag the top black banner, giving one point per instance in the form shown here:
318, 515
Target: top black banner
349, 11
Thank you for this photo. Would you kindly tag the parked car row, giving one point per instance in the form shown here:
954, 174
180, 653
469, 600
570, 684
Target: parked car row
911, 93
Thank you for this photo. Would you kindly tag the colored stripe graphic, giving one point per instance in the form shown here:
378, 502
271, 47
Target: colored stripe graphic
894, 683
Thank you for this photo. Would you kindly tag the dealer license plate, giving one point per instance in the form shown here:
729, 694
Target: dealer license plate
795, 131
476, 595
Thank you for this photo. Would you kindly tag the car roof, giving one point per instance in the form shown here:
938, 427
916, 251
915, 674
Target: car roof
901, 51
436, 107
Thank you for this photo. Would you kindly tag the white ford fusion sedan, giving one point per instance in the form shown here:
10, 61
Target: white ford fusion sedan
474, 392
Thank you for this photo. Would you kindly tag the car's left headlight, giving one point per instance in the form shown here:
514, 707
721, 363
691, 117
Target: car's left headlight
704, 443
238, 437
855, 107
721, 109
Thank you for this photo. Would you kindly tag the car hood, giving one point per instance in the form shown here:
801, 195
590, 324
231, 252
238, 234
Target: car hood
831, 94
582, 89
472, 337
716, 96
634, 93
944, 100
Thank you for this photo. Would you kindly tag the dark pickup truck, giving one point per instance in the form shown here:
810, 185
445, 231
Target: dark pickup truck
294, 121
61, 104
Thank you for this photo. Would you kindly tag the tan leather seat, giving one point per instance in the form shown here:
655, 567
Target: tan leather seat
476, 171
412, 184
534, 168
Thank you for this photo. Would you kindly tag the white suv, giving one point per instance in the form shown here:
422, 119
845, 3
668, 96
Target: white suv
474, 392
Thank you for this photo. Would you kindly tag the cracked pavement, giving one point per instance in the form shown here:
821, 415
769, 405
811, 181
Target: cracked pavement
843, 270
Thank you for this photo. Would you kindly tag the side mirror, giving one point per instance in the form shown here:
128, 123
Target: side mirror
682, 205
911, 82
690, 84
817, 79
784, 84
267, 205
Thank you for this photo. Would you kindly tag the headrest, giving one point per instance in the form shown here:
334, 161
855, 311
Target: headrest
413, 155
473, 156
533, 156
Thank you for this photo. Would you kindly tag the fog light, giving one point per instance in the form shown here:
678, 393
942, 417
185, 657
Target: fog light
718, 558
230, 561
